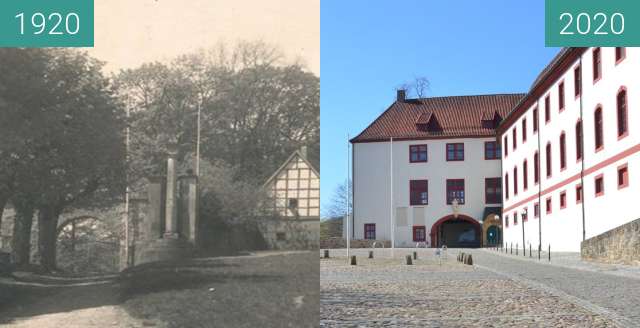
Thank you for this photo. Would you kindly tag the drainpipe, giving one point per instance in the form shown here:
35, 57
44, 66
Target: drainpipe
539, 180
584, 233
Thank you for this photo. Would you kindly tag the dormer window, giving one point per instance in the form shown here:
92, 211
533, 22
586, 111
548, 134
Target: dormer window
491, 119
428, 122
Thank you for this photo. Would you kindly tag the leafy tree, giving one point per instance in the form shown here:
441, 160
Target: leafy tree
69, 140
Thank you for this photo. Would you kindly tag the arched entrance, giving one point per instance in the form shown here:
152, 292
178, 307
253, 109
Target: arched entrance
491, 231
461, 232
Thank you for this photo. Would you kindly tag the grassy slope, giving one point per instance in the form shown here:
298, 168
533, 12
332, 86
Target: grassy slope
331, 228
248, 292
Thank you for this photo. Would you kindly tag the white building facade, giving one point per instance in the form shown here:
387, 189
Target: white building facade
570, 152
428, 171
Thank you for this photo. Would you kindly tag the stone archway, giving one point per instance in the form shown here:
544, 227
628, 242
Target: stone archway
491, 231
460, 231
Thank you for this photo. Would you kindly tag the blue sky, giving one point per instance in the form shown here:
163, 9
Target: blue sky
464, 47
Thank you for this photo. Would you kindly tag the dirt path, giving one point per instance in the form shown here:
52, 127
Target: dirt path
94, 305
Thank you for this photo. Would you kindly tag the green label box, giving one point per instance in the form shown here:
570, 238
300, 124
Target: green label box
588, 23
46, 23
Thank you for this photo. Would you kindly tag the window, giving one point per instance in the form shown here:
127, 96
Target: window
293, 203
597, 120
621, 104
547, 109
506, 146
548, 159
621, 53
561, 96
536, 210
599, 185
515, 218
579, 140
493, 190
623, 176
578, 194
455, 152
536, 168
417, 153
563, 153
515, 138
563, 199
524, 130
369, 231
515, 181
506, 185
535, 120
525, 175
419, 233
418, 192
577, 80
455, 190
597, 65
548, 204
491, 150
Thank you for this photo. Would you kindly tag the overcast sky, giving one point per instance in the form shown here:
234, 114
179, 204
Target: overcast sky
131, 32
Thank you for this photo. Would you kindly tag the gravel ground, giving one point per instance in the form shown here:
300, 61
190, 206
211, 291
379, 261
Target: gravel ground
385, 292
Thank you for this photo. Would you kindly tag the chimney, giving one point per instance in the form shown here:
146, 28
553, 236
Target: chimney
303, 151
401, 95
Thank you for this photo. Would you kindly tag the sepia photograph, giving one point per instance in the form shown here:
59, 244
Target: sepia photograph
167, 176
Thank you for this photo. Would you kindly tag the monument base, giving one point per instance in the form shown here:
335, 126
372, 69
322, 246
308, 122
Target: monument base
163, 249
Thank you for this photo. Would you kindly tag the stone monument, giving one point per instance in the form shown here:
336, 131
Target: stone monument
164, 220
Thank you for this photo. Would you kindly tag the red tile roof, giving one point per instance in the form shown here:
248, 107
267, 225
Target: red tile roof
459, 116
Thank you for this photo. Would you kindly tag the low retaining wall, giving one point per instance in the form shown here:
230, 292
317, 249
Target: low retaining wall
620, 245
337, 242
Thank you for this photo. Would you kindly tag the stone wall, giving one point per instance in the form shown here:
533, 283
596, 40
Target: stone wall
620, 245
337, 242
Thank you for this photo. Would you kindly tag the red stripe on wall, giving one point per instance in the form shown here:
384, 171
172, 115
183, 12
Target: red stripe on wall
605, 163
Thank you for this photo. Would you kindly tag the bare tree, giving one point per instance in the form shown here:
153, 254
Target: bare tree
337, 207
419, 87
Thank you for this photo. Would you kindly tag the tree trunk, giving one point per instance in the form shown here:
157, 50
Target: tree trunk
47, 236
3, 203
21, 241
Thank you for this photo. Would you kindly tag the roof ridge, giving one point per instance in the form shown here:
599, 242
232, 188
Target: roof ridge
477, 95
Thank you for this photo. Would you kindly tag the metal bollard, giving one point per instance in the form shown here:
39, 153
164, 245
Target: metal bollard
530, 250
353, 260
415, 255
409, 261
539, 250
516, 248
370, 254
326, 253
549, 252
510, 248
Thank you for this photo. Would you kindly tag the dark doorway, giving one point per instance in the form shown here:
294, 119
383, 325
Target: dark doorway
493, 237
458, 234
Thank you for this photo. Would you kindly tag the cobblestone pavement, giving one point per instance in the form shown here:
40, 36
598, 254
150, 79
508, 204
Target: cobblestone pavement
620, 295
384, 292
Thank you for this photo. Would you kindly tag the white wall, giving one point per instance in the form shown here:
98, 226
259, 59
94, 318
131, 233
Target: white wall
563, 227
371, 179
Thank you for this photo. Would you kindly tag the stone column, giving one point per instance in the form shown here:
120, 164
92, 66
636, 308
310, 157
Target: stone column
189, 207
171, 209
155, 192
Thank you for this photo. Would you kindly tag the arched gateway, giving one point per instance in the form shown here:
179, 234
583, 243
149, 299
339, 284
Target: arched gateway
456, 232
